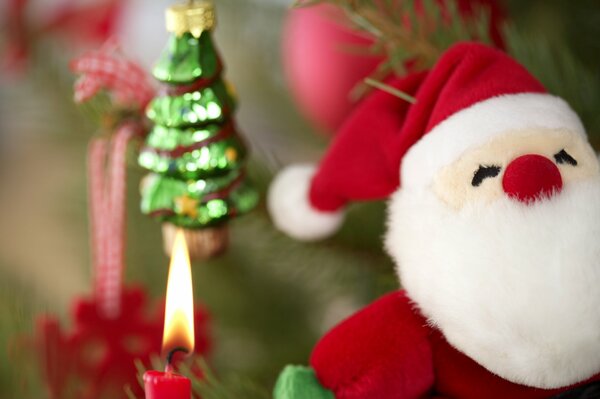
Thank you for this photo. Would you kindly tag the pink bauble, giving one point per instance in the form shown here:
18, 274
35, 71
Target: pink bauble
322, 64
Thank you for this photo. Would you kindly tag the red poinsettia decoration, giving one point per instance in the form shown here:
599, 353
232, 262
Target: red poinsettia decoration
96, 357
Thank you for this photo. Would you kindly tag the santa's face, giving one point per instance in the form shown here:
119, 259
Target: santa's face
501, 253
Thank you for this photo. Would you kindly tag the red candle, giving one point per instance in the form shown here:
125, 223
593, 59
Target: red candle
178, 335
167, 385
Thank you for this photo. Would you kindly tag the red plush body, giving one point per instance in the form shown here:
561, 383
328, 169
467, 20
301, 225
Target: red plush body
388, 350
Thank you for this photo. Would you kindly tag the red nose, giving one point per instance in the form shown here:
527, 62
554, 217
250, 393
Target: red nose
530, 177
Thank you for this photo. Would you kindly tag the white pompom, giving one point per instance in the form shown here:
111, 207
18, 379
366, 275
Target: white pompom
289, 205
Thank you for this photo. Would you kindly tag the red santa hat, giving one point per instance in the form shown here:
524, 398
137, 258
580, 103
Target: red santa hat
473, 94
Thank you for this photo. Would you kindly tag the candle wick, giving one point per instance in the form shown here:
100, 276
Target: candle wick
169, 367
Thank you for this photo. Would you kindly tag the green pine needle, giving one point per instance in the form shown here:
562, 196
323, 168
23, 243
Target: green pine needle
420, 42
209, 386
391, 90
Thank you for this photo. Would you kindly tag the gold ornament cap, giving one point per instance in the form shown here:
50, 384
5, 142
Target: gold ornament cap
195, 17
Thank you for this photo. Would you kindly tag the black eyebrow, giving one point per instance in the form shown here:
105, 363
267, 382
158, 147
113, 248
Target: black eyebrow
484, 172
564, 157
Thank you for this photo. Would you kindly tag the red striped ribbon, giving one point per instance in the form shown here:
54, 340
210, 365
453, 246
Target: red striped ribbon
107, 180
129, 86
107, 68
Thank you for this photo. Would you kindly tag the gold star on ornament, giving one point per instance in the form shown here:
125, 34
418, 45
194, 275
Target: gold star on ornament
231, 154
187, 206
231, 89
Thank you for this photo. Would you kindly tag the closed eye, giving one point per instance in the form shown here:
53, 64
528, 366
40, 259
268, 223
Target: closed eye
563, 157
483, 173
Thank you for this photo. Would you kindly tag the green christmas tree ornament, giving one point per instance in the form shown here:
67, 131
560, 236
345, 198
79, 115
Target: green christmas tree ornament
194, 153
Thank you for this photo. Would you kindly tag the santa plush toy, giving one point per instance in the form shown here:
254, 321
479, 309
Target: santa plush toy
493, 223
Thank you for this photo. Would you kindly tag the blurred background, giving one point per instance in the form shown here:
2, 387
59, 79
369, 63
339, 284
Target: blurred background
270, 298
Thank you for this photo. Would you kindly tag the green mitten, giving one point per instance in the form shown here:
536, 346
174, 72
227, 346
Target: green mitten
299, 382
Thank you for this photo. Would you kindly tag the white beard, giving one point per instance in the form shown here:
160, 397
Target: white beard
514, 287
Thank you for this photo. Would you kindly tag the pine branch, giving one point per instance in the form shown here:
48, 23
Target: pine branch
232, 387
406, 32
391, 90
206, 384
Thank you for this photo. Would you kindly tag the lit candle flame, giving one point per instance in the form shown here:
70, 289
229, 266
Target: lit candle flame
179, 309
